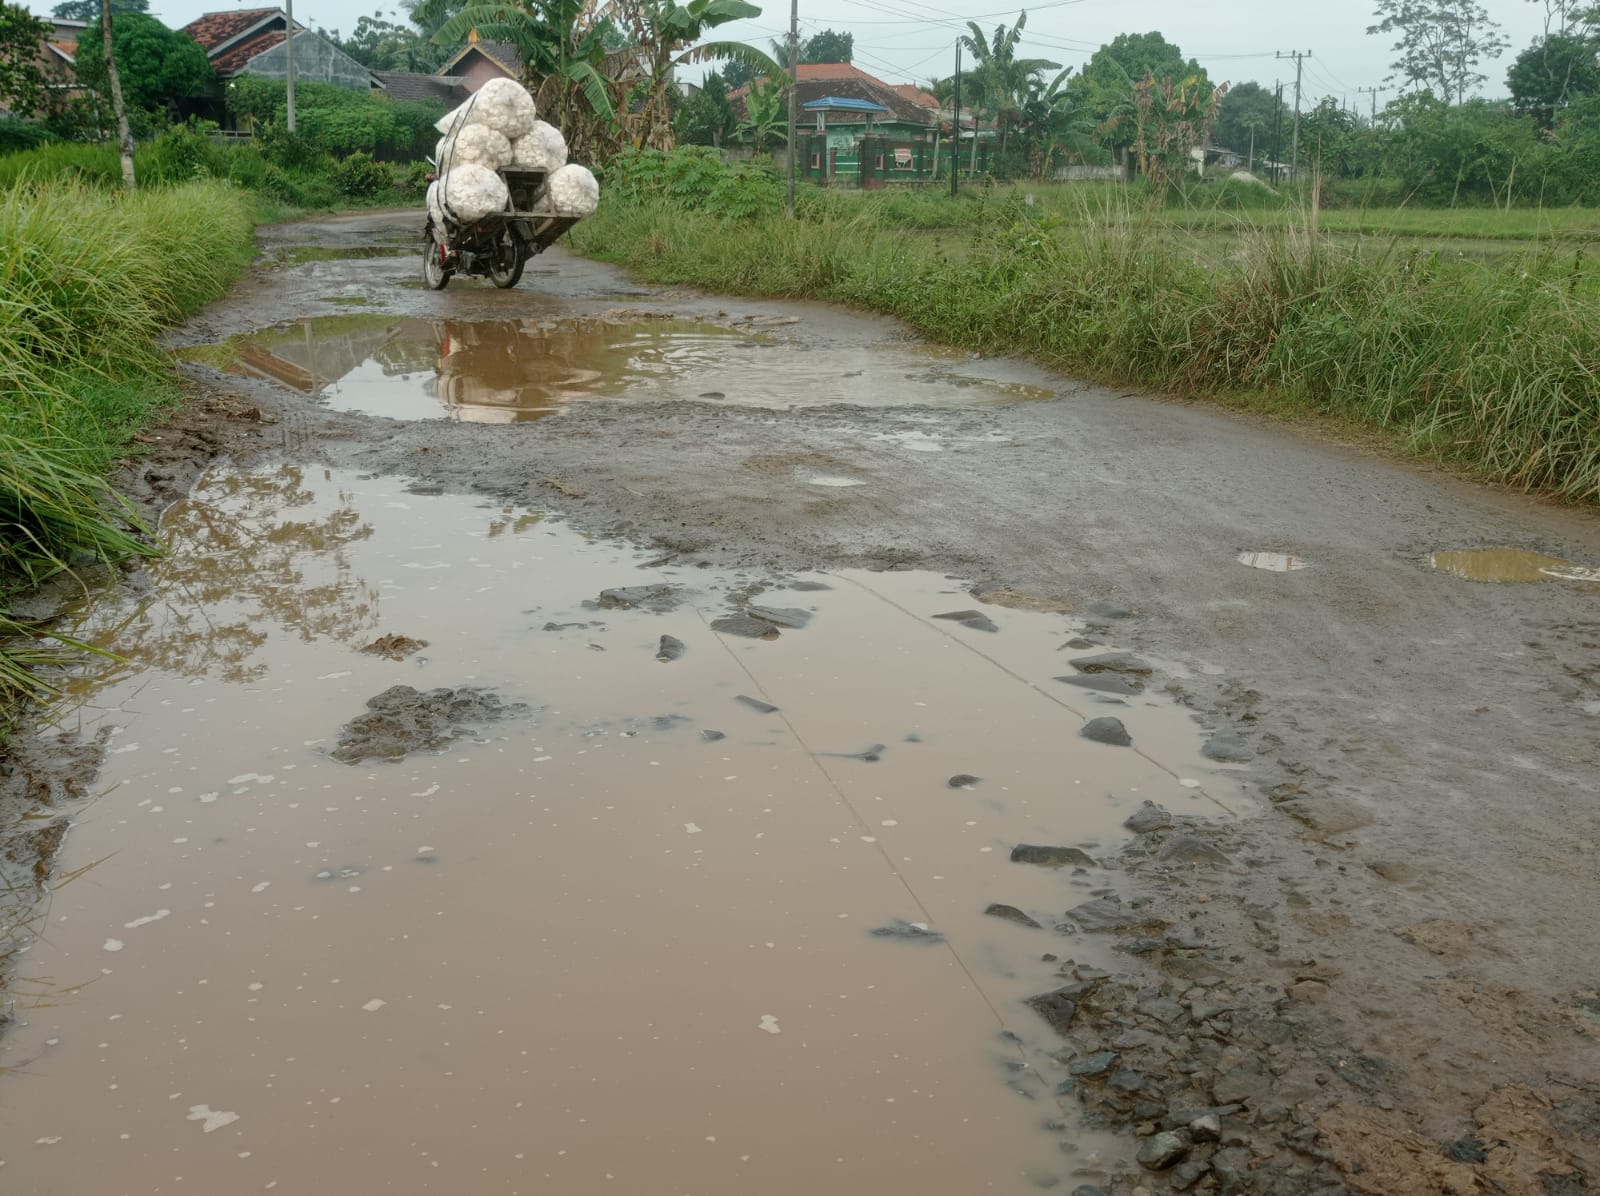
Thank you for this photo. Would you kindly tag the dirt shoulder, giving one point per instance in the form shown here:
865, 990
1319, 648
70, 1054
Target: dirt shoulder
1386, 981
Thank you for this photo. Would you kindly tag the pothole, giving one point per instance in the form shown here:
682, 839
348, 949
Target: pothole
656, 845
1273, 562
505, 371
1503, 565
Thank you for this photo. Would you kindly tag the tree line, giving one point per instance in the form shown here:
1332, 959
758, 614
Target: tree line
1138, 100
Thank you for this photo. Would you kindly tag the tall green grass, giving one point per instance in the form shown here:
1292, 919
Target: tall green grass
87, 280
1492, 367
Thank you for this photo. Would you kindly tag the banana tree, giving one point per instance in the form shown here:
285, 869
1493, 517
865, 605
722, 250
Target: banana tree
562, 47
765, 114
1052, 118
1001, 77
663, 34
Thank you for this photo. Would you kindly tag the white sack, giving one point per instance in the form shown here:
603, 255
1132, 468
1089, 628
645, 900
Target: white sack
573, 191
446, 124
435, 209
471, 192
474, 144
502, 104
505, 106
541, 148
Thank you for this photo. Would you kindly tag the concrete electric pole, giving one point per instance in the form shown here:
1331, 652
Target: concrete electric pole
1299, 57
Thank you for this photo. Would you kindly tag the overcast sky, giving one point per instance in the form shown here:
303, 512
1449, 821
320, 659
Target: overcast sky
910, 40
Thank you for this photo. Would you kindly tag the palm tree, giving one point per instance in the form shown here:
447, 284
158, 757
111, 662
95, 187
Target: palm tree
1001, 78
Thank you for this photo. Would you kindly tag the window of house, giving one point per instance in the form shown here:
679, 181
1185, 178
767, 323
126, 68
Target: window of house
880, 162
816, 161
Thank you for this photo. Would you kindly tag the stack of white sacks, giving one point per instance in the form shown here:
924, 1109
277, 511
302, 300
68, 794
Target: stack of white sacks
498, 129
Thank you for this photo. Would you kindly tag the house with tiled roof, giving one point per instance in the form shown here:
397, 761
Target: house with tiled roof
410, 87
857, 130
56, 57
479, 61
252, 41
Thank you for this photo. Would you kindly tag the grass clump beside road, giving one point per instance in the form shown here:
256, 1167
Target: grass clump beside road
88, 278
1493, 367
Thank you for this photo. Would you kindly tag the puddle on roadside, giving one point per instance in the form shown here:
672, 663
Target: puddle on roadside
1506, 565
478, 963
503, 371
295, 255
1274, 562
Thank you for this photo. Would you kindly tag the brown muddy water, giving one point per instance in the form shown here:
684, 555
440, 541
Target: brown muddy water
592, 947
1503, 565
503, 371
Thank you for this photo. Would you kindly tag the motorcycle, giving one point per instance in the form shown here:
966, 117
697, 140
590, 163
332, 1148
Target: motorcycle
498, 246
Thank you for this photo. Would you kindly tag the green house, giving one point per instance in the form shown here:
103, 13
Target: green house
858, 131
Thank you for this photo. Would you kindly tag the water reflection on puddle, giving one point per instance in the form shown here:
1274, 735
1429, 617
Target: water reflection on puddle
503, 371
1273, 562
593, 947
1498, 564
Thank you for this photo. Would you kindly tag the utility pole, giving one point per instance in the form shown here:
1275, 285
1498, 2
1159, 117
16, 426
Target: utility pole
288, 59
1373, 92
955, 128
1277, 129
794, 89
1299, 57
124, 134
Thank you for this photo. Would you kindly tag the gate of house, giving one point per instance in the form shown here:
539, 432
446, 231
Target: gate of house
815, 165
876, 159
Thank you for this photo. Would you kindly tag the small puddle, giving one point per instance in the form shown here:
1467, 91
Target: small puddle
1506, 565
295, 255
1274, 562
737, 883
503, 371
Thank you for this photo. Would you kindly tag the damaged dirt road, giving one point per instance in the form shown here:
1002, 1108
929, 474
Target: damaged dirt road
793, 758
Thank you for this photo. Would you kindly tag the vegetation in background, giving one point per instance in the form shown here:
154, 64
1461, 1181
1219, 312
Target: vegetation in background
1492, 366
1439, 44
89, 10
21, 79
159, 68
705, 118
338, 120
387, 46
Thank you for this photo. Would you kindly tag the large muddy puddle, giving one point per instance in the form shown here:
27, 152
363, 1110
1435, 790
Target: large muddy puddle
619, 940
502, 371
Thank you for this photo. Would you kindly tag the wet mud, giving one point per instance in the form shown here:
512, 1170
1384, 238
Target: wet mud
1370, 974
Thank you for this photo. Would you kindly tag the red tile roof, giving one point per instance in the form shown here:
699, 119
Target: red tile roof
916, 95
819, 79
236, 57
213, 28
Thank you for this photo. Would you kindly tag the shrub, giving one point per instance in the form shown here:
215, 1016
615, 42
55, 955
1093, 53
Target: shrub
362, 178
18, 135
694, 178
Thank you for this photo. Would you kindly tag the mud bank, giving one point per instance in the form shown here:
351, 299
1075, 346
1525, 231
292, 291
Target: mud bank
1383, 982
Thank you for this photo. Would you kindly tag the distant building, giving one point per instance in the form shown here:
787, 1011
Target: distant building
57, 58
252, 42
479, 61
859, 131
